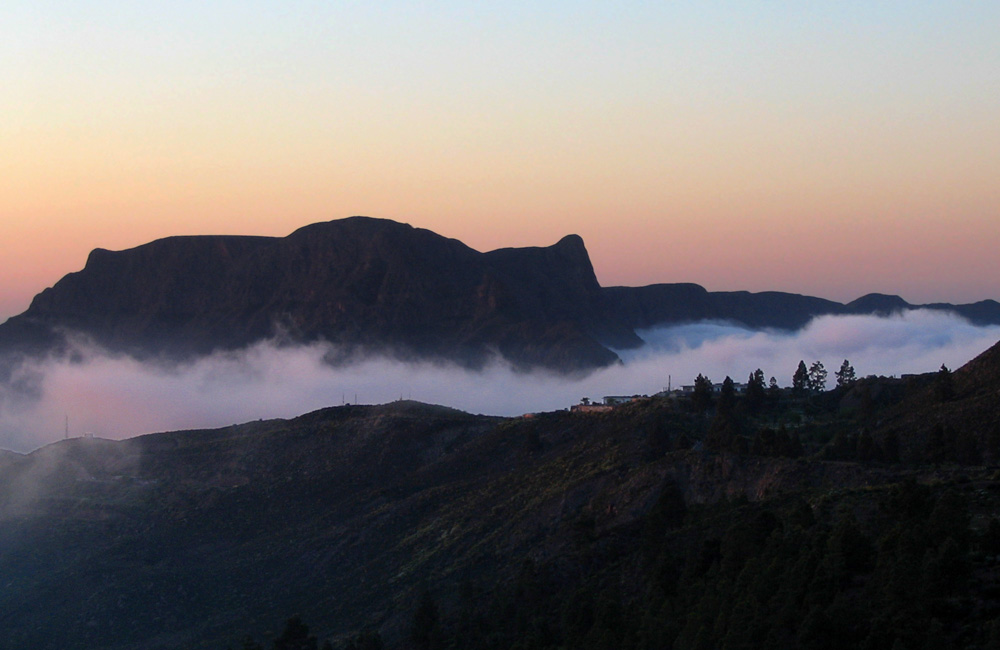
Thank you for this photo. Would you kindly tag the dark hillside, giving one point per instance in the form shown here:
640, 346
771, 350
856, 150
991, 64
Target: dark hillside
952, 416
338, 515
980, 375
539, 527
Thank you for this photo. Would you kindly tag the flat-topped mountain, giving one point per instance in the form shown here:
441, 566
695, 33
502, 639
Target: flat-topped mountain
376, 285
360, 283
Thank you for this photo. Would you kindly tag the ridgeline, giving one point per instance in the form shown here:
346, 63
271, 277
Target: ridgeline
864, 516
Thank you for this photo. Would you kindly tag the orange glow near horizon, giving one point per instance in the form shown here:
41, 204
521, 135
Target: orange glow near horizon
833, 152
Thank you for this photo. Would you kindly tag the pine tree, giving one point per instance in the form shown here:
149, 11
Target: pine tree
845, 376
701, 399
800, 380
773, 393
817, 377
756, 392
727, 397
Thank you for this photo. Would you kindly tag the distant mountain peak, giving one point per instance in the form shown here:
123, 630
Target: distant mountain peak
878, 303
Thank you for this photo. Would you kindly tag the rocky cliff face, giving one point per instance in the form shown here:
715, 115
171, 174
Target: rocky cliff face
359, 282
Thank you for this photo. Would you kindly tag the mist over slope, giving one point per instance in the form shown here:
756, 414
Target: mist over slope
584, 529
118, 396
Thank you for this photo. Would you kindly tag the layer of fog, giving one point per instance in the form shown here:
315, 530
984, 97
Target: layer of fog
117, 397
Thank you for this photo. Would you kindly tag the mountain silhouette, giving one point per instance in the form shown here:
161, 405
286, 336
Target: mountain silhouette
375, 285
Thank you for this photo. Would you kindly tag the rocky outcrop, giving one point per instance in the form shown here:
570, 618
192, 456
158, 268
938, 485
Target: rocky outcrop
361, 283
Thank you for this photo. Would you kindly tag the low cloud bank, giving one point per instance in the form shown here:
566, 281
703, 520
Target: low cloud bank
117, 397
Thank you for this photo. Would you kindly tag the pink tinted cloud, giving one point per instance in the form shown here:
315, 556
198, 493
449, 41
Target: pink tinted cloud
120, 397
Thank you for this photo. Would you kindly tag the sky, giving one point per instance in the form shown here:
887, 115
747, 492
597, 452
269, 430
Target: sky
831, 149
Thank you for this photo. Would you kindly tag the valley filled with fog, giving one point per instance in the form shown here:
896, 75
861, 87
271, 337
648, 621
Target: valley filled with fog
116, 396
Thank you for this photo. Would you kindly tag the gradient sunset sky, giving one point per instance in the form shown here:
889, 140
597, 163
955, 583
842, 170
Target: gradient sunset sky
833, 149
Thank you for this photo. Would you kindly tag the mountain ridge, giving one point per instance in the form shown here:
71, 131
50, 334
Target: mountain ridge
197, 538
378, 285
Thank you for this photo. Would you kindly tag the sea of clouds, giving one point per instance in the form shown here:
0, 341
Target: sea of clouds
115, 396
